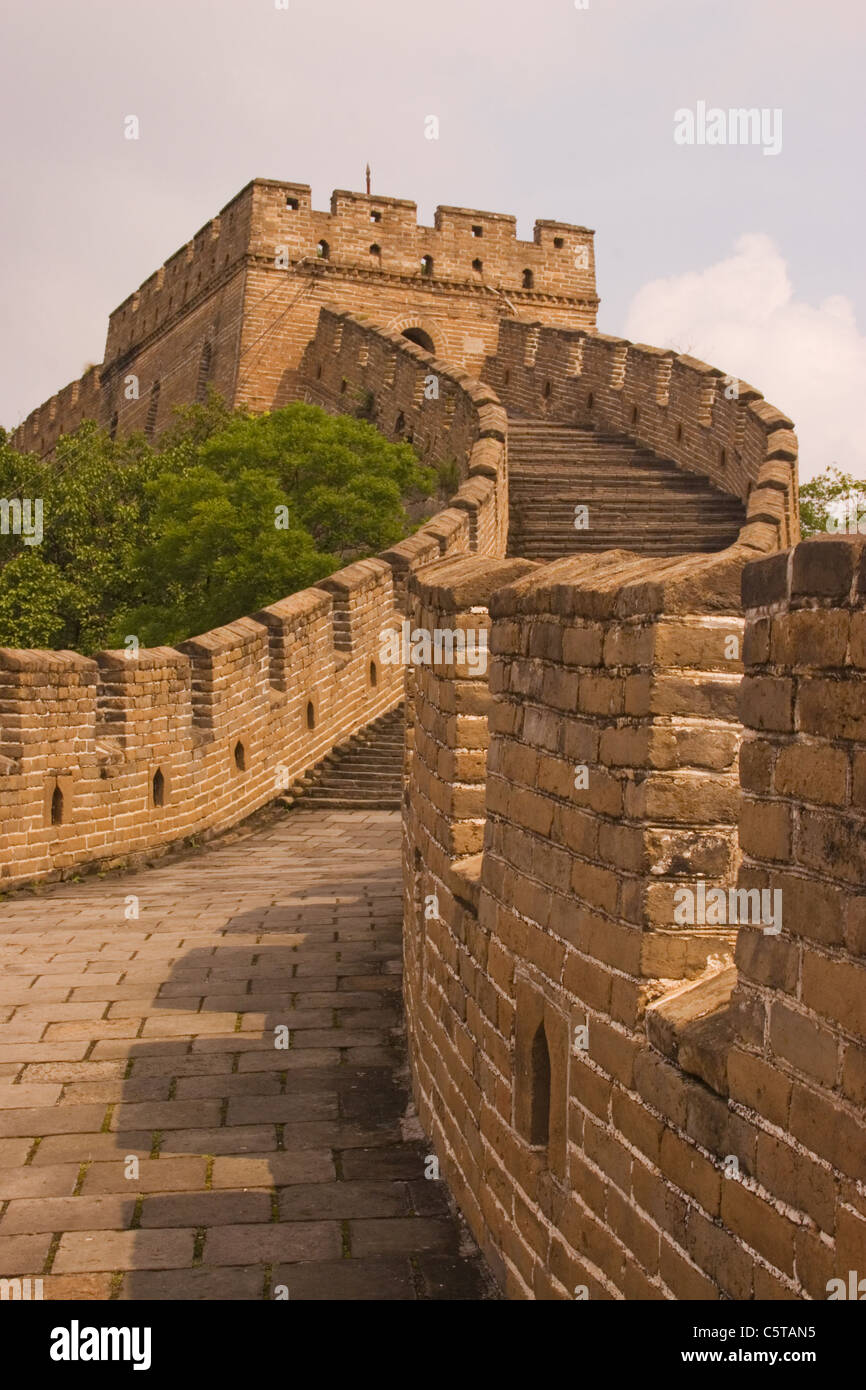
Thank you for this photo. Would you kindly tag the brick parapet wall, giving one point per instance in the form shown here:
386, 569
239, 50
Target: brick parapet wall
682, 409
704, 1138
230, 717
798, 1062
411, 395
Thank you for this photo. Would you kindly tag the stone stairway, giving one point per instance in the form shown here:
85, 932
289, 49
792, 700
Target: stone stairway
636, 500
363, 774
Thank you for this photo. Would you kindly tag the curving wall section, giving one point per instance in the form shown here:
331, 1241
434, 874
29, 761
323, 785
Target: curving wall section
625, 1104
630, 1100
682, 409
105, 758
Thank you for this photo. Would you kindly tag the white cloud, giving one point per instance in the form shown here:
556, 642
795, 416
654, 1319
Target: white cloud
742, 315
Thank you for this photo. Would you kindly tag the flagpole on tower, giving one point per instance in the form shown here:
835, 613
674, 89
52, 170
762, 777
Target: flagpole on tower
368, 180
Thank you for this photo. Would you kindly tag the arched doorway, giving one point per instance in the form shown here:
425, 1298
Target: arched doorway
417, 335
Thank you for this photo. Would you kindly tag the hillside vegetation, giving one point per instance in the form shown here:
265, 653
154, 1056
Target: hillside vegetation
228, 513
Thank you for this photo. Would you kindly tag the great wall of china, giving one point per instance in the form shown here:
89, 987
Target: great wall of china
622, 1103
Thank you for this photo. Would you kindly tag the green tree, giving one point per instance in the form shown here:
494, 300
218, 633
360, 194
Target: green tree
342, 479
35, 602
230, 513
832, 501
196, 422
215, 554
87, 563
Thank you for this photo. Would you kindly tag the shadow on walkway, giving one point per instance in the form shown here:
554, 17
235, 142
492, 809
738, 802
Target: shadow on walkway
274, 1156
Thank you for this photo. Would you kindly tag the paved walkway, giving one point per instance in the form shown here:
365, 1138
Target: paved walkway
155, 1143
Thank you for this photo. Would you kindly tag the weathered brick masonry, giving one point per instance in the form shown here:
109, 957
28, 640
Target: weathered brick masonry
236, 306
681, 408
625, 1101
112, 756
703, 1137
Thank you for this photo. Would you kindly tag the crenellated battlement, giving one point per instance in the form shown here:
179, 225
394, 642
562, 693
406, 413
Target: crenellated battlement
211, 255
235, 307
677, 406
630, 1100
109, 757
61, 413
459, 239
220, 715
270, 220
626, 1102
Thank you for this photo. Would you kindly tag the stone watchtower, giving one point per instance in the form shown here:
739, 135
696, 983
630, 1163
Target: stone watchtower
238, 304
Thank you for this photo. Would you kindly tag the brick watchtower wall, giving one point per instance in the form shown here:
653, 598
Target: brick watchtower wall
238, 304
456, 306
61, 414
181, 330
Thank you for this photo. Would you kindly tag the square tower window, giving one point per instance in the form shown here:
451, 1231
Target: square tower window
477, 231
559, 242
292, 203
375, 215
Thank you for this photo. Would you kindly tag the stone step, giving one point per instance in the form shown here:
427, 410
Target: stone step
362, 781
371, 756
385, 792
617, 510
368, 760
636, 521
365, 773
548, 551
349, 803
616, 507
573, 483
626, 463
637, 500
535, 468
359, 784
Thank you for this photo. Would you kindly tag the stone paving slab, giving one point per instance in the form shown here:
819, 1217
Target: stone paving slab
155, 1143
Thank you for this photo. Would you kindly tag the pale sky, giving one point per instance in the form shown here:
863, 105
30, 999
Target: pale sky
754, 262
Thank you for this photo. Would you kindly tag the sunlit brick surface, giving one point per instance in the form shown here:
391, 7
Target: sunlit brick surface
154, 1038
